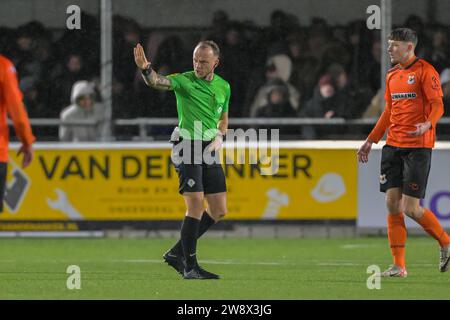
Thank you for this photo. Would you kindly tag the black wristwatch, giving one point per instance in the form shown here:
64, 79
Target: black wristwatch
147, 71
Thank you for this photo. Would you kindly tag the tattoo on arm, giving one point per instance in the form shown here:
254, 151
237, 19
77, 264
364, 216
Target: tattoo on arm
157, 81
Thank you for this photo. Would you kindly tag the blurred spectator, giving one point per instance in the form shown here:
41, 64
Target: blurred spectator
83, 107
234, 55
439, 53
372, 76
85, 42
445, 83
7, 42
279, 68
360, 44
281, 24
324, 104
23, 57
375, 108
33, 103
305, 68
171, 56
127, 34
272, 40
219, 26
73, 70
415, 23
278, 105
352, 97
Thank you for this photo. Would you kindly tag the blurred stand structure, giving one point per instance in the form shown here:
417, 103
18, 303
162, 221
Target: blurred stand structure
276, 51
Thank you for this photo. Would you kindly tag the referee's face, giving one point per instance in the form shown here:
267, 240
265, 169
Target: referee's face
204, 62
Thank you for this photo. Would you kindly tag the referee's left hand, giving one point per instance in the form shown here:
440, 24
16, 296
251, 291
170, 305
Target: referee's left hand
421, 128
215, 145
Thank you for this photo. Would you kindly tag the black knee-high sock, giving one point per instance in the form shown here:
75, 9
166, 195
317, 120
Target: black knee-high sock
189, 234
205, 223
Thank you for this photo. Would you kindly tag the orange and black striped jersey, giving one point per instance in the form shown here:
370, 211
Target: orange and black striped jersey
410, 93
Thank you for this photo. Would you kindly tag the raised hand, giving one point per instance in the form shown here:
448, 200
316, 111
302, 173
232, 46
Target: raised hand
139, 57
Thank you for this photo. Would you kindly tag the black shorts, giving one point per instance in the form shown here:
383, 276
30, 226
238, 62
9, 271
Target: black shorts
3, 174
405, 168
199, 176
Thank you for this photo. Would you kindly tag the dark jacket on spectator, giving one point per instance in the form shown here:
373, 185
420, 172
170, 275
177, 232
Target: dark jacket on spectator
277, 109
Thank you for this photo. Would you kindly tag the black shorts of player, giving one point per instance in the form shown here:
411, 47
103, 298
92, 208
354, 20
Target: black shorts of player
405, 168
195, 174
3, 173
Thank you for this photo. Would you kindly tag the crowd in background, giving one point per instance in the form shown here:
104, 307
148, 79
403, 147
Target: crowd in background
287, 69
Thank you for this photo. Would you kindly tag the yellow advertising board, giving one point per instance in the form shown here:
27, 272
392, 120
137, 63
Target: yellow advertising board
110, 183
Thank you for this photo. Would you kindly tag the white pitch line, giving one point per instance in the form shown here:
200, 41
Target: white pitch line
233, 262
334, 264
226, 262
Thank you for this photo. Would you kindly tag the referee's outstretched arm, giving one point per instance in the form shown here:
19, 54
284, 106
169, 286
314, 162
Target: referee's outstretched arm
151, 78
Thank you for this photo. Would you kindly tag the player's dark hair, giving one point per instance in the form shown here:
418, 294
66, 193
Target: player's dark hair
210, 44
404, 34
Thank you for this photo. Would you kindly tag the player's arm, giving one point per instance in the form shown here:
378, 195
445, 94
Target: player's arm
437, 111
223, 124
222, 128
382, 125
17, 112
378, 131
155, 80
431, 87
151, 77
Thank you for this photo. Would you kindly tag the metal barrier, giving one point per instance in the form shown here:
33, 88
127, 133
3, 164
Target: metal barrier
144, 123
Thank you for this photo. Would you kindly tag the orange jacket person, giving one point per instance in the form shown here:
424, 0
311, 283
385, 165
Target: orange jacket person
11, 103
413, 107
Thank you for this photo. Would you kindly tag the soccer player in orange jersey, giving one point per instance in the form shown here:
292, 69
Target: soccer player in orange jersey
11, 103
413, 107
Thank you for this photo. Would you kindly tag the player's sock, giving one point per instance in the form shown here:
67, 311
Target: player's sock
397, 237
432, 226
205, 223
189, 234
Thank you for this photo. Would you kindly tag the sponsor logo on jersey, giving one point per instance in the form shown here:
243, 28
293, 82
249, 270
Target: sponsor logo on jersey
403, 95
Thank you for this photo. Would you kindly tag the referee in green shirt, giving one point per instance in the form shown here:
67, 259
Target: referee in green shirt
202, 105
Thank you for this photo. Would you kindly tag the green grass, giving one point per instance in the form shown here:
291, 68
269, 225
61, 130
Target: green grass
250, 269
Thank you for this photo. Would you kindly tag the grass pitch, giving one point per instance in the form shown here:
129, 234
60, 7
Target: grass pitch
250, 269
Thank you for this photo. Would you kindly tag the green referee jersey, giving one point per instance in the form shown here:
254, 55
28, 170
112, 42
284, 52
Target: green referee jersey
200, 104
